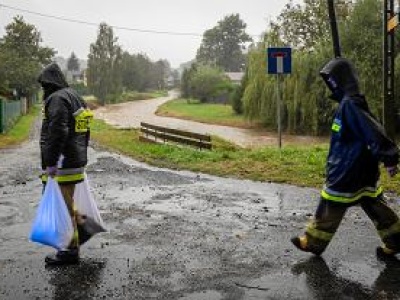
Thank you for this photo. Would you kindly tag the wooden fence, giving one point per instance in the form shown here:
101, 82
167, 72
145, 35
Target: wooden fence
155, 133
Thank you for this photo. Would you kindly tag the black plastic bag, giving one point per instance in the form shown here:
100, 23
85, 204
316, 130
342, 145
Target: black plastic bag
87, 228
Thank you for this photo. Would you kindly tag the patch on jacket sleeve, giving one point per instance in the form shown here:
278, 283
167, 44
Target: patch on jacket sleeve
337, 125
83, 118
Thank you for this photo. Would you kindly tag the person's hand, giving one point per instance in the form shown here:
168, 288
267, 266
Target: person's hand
392, 170
51, 171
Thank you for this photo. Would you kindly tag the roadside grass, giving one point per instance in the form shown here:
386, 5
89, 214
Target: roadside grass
301, 166
20, 132
212, 113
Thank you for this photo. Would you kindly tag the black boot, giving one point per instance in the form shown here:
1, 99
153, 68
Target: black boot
63, 257
301, 244
386, 255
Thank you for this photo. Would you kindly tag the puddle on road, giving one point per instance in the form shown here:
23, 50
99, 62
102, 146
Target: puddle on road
313, 278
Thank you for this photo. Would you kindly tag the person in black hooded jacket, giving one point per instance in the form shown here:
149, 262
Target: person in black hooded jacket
64, 141
358, 145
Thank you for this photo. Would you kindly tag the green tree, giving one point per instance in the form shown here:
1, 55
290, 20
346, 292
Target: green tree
207, 83
129, 72
176, 78
104, 65
306, 107
143, 69
362, 43
139, 73
161, 71
187, 74
22, 57
304, 25
143, 65
73, 63
223, 46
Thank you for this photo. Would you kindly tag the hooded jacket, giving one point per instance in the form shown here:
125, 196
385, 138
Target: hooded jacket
358, 142
65, 128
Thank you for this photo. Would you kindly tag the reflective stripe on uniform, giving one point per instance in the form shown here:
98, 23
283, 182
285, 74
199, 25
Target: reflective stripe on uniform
349, 198
318, 234
76, 235
70, 171
395, 228
65, 178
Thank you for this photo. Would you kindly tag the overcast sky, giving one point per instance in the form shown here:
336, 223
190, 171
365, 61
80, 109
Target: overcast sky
173, 16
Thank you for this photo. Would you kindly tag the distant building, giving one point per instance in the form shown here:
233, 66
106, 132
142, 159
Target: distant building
235, 77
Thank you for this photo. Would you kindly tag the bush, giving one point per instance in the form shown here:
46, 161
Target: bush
208, 84
236, 100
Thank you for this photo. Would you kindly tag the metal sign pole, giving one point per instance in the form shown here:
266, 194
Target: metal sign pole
278, 109
279, 63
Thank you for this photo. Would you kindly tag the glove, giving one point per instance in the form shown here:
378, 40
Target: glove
51, 171
392, 170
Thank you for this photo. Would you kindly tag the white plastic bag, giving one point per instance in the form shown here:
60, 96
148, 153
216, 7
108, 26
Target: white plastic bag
52, 225
90, 217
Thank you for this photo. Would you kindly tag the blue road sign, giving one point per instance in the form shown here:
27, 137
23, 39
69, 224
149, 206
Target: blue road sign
279, 60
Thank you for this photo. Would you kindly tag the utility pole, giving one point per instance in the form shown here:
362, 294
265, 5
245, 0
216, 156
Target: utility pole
334, 30
390, 21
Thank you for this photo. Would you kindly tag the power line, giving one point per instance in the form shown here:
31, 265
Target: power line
115, 27
96, 24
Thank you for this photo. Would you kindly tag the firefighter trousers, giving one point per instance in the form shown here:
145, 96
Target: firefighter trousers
321, 229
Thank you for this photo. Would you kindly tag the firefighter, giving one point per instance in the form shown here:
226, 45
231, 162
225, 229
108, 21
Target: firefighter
358, 145
64, 141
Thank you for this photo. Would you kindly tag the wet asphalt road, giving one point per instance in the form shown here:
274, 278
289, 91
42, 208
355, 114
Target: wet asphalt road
179, 235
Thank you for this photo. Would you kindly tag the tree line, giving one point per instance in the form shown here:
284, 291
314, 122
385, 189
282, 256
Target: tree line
304, 27
228, 48
110, 73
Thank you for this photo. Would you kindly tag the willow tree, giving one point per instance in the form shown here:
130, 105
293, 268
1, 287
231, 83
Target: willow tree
362, 43
306, 107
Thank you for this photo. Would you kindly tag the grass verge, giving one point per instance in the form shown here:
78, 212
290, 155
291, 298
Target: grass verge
299, 165
20, 132
211, 113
